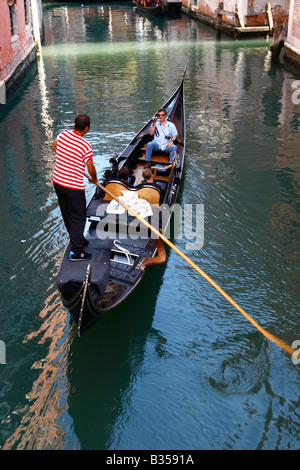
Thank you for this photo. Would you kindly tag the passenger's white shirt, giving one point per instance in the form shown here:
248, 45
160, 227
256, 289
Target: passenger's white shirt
169, 130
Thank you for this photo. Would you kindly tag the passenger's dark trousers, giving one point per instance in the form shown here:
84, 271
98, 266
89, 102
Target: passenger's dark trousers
73, 208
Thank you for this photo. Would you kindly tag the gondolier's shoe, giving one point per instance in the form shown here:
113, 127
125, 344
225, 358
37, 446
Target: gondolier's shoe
82, 256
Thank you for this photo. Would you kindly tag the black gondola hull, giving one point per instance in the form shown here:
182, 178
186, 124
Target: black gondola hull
156, 10
120, 245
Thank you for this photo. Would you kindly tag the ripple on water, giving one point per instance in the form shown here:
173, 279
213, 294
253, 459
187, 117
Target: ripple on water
245, 370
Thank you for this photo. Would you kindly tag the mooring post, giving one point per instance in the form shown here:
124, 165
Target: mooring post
280, 32
219, 14
219, 18
239, 20
269, 16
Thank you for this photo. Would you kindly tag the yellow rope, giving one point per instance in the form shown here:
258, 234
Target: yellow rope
266, 333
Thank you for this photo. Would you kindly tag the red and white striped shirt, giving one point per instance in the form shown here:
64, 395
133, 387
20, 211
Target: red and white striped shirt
72, 153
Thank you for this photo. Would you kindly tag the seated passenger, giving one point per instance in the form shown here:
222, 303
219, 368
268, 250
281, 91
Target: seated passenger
124, 175
148, 177
164, 136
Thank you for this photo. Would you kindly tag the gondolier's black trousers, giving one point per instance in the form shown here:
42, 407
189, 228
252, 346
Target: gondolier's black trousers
73, 208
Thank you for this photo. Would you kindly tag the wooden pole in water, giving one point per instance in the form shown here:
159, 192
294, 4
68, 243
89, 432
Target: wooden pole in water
264, 332
279, 35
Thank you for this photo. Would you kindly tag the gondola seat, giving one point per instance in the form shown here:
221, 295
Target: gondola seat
149, 192
116, 188
158, 156
163, 173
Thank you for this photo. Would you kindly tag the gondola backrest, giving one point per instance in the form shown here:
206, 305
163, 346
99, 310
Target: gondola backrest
116, 188
151, 193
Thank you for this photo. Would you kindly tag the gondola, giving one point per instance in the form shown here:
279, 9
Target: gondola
155, 9
122, 248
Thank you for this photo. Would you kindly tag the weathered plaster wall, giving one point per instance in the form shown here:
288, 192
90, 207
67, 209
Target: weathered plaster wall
293, 37
292, 45
253, 11
256, 11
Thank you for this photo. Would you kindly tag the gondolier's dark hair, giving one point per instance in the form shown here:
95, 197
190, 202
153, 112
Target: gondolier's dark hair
162, 109
81, 121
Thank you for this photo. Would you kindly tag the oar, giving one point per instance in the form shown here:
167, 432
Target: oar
266, 333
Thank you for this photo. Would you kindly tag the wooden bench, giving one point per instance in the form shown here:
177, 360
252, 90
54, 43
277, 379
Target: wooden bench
156, 157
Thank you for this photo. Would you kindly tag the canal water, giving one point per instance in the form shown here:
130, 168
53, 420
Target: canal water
175, 366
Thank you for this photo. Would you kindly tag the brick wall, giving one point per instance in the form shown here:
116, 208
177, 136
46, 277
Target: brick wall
14, 47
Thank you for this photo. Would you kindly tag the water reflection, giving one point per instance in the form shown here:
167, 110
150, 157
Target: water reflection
86, 379
40, 426
103, 367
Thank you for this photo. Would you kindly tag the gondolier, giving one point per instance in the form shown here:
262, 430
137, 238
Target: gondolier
73, 152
